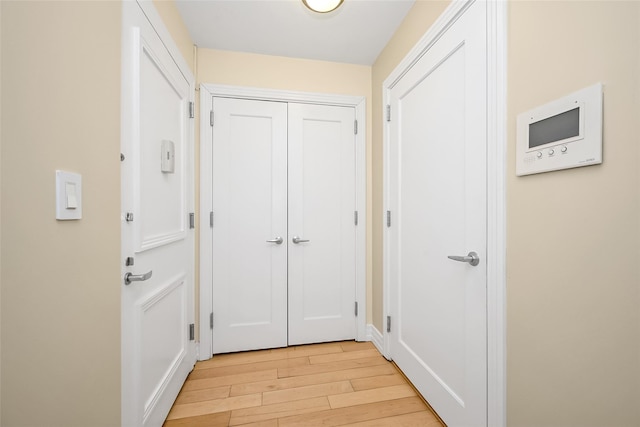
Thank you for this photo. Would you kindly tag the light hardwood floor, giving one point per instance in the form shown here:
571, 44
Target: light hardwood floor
333, 384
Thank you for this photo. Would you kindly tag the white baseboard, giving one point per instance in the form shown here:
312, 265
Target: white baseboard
375, 336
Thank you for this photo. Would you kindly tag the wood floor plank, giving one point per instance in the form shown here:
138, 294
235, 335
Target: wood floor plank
325, 377
345, 355
368, 383
203, 394
313, 350
353, 414
241, 358
370, 396
267, 423
200, 384
416, 419
212, 406
261, 413
356, 346
220, 419
306, 392
329, 367
248, 367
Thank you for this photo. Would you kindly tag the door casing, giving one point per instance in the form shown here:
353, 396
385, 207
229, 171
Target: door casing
496, 190
207, 92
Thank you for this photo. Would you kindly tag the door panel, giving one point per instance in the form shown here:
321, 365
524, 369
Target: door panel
438, 191
321, 210
156, 352
250, 207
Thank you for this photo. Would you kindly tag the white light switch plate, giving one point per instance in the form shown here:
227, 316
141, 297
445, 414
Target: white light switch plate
68, 195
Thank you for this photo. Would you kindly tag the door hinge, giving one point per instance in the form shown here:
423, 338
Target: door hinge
355, 127
192, 111
355, 217
211, 219
356, 308
388, 113
192, 220
192, 332
388, 218
128, 217
388, 323
211, 320
211, 118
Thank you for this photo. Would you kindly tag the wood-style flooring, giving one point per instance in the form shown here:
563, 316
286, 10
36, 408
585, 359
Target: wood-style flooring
333, 384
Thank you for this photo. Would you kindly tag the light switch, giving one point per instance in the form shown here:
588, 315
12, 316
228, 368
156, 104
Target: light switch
72, 199
68, 195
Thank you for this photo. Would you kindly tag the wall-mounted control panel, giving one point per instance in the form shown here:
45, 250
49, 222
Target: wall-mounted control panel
68, 195
563, 134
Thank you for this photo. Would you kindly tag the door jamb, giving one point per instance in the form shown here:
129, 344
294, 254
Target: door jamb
207, 92
496, 189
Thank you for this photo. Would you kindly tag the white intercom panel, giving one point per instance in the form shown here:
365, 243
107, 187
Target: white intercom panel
563, 134
167, 157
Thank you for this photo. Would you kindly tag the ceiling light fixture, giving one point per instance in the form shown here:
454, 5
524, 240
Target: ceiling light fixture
322, 6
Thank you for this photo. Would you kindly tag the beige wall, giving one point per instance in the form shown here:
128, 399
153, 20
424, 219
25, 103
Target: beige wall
573, 236
421, 16
60, 295
173, 21
274, 72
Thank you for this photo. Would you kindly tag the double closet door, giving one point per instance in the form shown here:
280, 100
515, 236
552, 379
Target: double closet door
284, 233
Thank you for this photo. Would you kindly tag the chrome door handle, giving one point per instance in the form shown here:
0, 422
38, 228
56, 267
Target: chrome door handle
297, 240
278, 240
128, 277
472, 258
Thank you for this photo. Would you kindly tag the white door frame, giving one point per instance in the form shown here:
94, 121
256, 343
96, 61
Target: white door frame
207, 92
496, 189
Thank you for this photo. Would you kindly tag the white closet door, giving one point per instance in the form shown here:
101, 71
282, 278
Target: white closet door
321, 215
250, 208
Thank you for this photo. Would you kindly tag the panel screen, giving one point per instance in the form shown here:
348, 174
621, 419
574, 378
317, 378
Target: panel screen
556, 128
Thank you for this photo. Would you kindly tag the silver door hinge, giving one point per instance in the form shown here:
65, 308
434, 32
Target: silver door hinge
356, 308
388, 218
192, 110
211, 118
211, 320
211, 219
192, 220
192, 332
355, 217
388, 113
355, 127
388, 323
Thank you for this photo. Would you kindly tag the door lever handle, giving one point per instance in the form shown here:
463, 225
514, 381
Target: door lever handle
128, 277
472, 258
278, 240
297, 240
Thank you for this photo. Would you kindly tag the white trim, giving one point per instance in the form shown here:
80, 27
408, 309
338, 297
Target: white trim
375, 336
496, 189
207, 92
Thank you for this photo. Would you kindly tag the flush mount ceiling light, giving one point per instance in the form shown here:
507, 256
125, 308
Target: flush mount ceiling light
322, 6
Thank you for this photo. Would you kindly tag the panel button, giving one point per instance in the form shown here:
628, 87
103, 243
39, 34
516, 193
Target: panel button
551, 152
539, 154
563, 149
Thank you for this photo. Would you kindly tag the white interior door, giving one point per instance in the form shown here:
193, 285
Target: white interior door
157, 244
280, 172
321, 213
250, 211
438, 203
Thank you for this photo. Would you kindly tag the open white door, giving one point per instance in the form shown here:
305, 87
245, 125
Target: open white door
157, 242
438, 203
